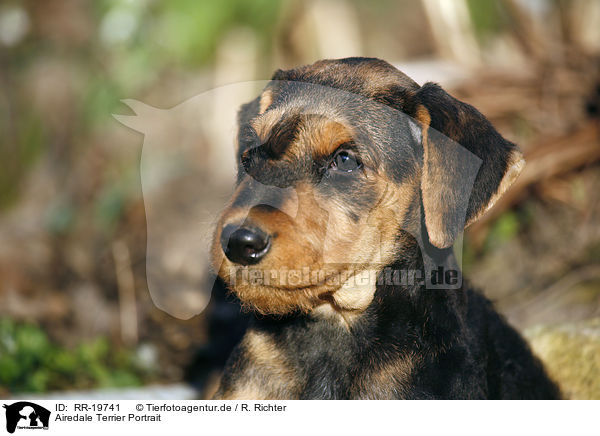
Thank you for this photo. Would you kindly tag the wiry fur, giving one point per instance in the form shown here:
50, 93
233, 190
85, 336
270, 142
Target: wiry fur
333, 340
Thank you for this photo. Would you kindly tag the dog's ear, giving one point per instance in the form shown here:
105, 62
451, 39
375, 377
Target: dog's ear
467, 165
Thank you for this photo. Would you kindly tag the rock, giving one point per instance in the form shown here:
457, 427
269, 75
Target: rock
571, 353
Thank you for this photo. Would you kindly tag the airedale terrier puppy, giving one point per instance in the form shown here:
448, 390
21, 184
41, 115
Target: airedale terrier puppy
354, 183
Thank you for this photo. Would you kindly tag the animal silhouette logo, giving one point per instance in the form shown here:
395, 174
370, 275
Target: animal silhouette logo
187, 157
26, 415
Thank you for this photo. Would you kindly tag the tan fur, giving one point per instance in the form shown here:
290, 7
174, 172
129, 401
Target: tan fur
247, 391
432, 203
357, 292
383, 382
325, 135
269, 376
266, 99
321, 237
263, 123
298, 246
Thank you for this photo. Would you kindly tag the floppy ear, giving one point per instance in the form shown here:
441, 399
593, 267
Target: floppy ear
467, 165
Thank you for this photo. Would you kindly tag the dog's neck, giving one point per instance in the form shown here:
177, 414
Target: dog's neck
400, 321
417, 274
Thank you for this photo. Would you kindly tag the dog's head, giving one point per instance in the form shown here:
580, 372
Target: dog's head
337, 162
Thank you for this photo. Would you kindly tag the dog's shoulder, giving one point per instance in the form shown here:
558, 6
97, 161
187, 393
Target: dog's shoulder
513, 371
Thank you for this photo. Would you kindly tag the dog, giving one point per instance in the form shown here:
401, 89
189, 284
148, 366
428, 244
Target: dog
353, 184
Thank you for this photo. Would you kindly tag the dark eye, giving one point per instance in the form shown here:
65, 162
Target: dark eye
345, 161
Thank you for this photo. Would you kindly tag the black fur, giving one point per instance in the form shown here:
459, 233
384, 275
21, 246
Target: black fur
466, 349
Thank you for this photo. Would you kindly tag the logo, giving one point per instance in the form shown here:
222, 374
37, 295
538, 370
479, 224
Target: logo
26, 415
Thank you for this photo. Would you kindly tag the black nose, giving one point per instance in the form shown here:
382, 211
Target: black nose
244, 245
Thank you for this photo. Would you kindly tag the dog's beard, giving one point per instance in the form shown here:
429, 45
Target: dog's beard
286, 291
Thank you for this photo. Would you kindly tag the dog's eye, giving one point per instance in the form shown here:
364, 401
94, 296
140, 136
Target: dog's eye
345, 161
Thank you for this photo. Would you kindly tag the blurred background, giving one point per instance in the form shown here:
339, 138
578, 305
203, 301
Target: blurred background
75, 310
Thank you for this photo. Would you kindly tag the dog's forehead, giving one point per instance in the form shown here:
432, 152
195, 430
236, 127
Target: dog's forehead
312, 110
321, 119
302, 123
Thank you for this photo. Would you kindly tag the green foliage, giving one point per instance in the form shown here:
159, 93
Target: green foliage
60, 217
468, 255
593, 251
162, 37
189, 30
31, 362
20, 145
504, 229
109, 206
101, 99
488, 17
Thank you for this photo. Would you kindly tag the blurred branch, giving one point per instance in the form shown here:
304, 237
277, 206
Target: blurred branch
126, 285
549, 299
545, 160
524, 30
452, 29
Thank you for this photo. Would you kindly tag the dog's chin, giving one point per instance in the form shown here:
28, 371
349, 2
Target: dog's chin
288, 292
269, 300
338, 287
